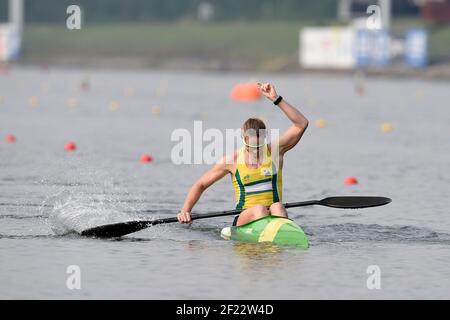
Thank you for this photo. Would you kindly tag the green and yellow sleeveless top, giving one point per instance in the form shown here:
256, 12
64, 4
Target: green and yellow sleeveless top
257, 186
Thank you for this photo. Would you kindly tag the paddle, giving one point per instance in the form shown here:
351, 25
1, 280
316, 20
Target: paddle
123, 228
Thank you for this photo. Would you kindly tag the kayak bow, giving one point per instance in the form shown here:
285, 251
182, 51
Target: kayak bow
277, 230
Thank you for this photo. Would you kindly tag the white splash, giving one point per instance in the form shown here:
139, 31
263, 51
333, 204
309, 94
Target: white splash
81, 211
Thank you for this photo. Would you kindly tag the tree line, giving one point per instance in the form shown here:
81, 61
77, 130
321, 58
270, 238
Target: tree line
107, 11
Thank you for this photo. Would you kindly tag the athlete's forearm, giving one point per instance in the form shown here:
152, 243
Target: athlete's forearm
210, 177
192, 197
293, 114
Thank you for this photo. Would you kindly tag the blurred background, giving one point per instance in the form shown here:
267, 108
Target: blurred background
411, 36
91, 93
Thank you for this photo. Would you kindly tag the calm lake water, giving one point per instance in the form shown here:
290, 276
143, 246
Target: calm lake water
46, 193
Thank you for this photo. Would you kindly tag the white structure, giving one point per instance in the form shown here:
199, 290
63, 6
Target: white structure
327, 47
11, 32
205, 12
16, 14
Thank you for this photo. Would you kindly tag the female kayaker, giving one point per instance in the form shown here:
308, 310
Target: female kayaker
255, 171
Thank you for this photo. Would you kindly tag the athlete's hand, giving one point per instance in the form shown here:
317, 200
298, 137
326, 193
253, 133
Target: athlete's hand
268, 90
184, 217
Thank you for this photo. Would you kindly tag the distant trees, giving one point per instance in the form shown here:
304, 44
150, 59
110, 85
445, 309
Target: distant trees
104, 11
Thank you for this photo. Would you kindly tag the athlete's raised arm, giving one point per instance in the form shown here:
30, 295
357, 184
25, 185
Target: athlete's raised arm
293, 135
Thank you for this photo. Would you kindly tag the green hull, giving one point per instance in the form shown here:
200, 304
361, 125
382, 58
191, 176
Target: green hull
277, 230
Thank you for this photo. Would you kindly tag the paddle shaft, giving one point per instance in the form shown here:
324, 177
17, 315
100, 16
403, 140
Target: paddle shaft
123, 228
197, 216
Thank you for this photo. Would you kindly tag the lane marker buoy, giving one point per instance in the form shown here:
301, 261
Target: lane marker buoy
145, 158
245, 92
350, 181
33, 101
114, 105
10, 138
70, 146
156, 109
321, 123
387, 127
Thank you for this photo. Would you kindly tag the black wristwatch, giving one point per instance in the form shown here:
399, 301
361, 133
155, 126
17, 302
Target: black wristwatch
278, 100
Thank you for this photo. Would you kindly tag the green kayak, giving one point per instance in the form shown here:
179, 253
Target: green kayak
278, 230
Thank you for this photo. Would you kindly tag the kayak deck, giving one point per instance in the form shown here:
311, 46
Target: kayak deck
277, 230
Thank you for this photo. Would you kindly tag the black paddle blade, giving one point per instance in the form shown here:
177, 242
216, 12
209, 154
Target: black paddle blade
116, 229
354, 202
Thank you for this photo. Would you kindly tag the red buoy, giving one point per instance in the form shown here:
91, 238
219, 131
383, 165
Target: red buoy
10, 138
350, 181
4, 69
70, 146
146, 158
84, 86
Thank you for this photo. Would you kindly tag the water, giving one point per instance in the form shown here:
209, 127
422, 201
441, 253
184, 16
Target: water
47, 194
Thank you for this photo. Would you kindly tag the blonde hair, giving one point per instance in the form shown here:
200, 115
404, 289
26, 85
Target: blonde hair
254, 126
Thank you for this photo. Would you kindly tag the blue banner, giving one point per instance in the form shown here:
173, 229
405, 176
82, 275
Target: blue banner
416, 46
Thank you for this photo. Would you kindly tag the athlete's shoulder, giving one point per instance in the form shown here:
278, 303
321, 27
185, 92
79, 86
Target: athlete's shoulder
229, 160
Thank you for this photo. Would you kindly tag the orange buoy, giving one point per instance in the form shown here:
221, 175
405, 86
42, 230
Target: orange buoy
245, 92
114, 105
156, 109
350, 181
320, 123
386, 127
72, 103
146, 158
33, 101
70, 146
10, 138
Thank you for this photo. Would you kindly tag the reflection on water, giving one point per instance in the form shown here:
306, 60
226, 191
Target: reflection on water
257, 255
